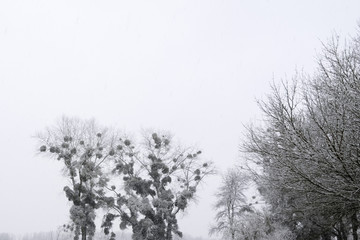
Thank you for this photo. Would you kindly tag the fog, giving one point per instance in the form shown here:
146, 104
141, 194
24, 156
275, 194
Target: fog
193, 68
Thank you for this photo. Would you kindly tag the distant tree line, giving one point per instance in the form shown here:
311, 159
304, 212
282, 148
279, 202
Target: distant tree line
59, 234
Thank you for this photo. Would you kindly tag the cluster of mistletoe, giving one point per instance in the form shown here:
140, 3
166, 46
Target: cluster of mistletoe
83, 149
143, 186
158, 181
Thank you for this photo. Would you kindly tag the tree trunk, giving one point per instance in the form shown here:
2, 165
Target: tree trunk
354, 225
169, 232
83, 233
339, 233
343, 230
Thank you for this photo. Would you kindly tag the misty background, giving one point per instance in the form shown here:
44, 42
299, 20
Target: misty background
193, 68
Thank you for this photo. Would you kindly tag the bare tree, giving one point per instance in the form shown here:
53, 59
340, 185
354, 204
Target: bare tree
308, 147
237, 218
231, 203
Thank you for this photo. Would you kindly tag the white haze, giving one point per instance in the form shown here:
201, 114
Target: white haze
191, 67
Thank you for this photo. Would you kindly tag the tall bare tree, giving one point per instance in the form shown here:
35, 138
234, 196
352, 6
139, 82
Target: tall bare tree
231, 203
308, 146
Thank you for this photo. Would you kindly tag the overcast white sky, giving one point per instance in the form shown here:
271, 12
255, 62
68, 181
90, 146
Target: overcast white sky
193, 67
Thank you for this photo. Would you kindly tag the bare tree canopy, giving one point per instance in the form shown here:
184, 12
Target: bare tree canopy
308, 146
